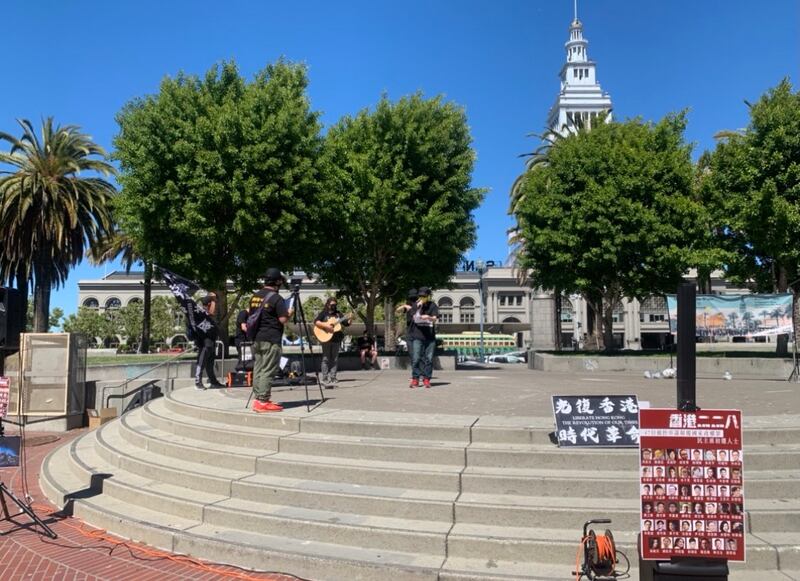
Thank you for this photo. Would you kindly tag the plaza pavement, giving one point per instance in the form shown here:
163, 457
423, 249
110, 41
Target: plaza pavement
509, 394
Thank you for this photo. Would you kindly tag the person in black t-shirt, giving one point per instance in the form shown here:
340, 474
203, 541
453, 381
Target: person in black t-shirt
205, 343
268, 339
366, 348
422, 333
330, 348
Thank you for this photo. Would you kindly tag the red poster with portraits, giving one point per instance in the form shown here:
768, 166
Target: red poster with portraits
691, 488
4, 396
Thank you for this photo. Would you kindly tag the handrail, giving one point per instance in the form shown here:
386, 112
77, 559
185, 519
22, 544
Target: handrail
125, 383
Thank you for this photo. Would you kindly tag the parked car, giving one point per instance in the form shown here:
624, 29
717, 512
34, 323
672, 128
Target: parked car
505, 358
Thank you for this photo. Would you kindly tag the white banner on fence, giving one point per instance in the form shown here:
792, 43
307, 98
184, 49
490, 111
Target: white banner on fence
737, 315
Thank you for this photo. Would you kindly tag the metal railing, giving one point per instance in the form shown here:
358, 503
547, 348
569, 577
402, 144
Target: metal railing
124, 385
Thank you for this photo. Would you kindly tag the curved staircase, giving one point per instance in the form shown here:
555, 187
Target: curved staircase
345, 495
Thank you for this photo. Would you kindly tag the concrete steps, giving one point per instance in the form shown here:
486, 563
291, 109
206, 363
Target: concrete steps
361, 495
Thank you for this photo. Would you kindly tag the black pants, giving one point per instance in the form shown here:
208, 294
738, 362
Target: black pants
205, 359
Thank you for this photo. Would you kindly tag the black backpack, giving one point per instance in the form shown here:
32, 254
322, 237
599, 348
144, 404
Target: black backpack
254, 318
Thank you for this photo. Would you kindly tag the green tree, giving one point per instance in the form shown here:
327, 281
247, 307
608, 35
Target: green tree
166, 318
397, 186
90, 322
54, 203
219, 175
54, 320
128, 322
757, 175
118, 245
611, 214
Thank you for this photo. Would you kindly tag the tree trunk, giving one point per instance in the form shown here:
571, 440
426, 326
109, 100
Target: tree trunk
41, 301
595, 321
144, 344
369, 321
389, 342
21, 280
782, 344
222, 317
608, 324
557, 323
704, 281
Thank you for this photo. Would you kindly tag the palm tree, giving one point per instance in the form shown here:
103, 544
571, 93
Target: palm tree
49, 212
747, 319
118, 245
733, 317
777, 313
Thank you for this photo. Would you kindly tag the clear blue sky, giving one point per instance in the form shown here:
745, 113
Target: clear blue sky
81, 60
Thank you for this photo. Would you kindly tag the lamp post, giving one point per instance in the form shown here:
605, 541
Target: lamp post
480, 266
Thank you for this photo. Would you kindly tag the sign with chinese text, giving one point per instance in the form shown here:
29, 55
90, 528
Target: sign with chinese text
596, 420
691, 489
5, 388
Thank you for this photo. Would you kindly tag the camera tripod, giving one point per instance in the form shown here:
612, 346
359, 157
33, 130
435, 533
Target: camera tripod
24, 508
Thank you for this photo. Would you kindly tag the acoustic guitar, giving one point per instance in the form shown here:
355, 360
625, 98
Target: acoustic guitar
324, 336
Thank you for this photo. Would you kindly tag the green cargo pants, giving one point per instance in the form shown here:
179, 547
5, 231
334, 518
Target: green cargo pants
268, 356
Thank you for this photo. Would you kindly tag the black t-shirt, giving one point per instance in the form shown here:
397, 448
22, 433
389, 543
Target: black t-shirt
241, 319
422, 329
323, 317
270, 329
365, 342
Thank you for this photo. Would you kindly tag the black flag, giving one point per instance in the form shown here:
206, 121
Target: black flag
198, 321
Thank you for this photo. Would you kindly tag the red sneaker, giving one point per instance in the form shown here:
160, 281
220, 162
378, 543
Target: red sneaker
426, 382
266, 406
414, 383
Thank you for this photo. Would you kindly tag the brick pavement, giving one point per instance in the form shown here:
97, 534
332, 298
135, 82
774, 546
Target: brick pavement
81, 552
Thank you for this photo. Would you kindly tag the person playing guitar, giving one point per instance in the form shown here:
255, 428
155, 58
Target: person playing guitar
328, 329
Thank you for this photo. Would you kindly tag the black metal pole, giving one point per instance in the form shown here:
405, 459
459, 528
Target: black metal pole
687, 347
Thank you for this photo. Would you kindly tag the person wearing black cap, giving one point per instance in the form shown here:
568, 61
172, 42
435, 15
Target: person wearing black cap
422, 333
268, 339
205, 346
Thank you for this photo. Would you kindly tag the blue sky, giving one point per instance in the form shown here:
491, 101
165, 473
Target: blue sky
81, 60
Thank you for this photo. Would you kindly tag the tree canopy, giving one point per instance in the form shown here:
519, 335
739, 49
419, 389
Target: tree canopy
609, 213
753, 182
54, 204
219, 175
398, 199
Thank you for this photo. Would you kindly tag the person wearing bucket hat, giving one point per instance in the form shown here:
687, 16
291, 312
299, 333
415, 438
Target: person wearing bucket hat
268, 338
422, 334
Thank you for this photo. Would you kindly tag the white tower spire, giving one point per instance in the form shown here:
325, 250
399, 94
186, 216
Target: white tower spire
580, 101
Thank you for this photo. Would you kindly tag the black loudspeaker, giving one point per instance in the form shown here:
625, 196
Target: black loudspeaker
12, 318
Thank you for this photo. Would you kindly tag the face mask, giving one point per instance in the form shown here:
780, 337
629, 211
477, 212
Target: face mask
332, 306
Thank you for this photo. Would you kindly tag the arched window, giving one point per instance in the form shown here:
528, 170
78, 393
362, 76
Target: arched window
135, 300
653, 309
511, 320
445, 310
618, 315
567, 310
113, 303
91, 303
467, 310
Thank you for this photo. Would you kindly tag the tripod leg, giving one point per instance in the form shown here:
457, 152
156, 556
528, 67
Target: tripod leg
305, 336
26, 509
6, 516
